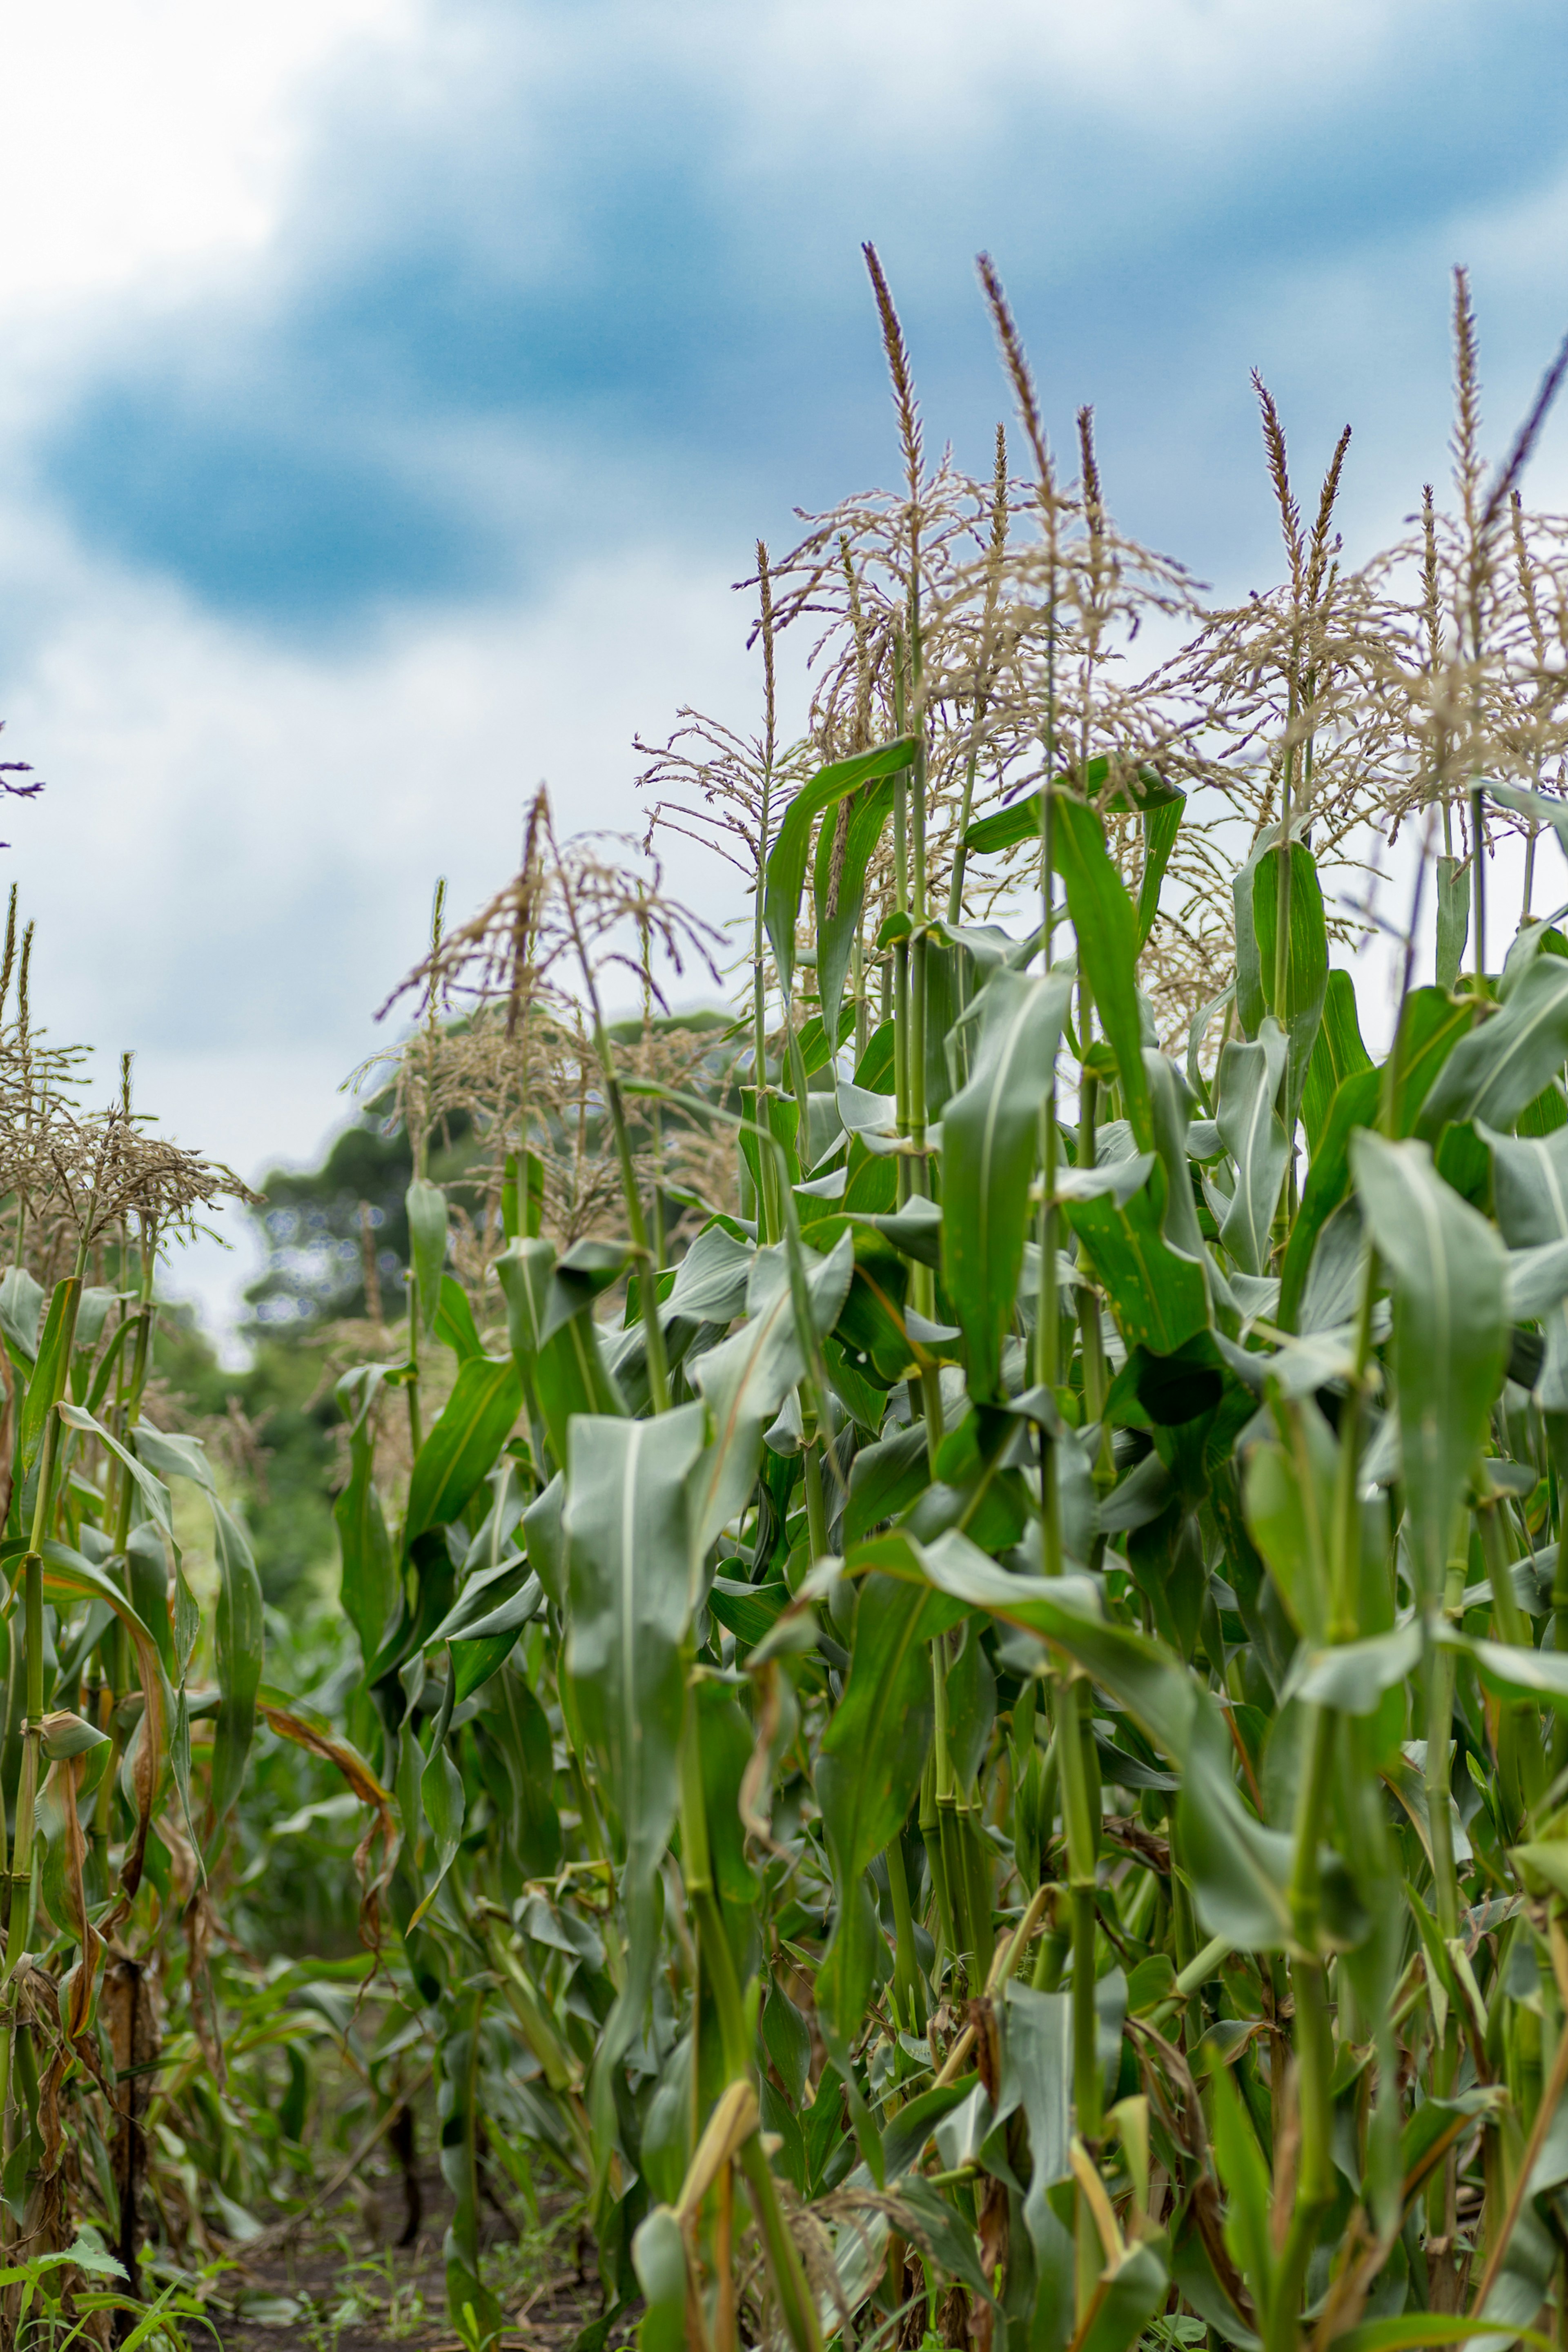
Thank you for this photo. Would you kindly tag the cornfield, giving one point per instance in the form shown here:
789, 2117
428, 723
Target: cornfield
957, 1721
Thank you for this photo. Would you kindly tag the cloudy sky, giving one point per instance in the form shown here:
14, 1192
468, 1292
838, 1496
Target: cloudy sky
393, 388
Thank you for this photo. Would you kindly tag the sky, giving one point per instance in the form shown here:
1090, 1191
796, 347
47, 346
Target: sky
395, 388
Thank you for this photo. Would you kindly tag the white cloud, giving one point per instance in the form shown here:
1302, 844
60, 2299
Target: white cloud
135, 132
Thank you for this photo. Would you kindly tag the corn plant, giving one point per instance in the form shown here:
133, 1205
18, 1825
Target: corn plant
985, 1758
959, 1578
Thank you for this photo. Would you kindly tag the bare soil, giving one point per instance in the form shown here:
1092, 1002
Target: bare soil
345, 2283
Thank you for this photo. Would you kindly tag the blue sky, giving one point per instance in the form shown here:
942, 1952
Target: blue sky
395, 390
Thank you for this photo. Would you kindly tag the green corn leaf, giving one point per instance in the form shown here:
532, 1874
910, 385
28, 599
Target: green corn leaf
990, 1142
1432, 1028
48, 1375
1535, 940
565, 1364
443, 1804
1240, 2165
1255, 891
659, 2255
1037, 2076
1240, 1871
239, 1643
1354, 1105
785, 872
1338, 1054
1130, 2294
1449, 1271
1530, 1192
1503, 1065
239, 1637
1540, 807
1413, 2329
1254, 1135
371, 1588
513, 1719
874, 1749
66, 1580
153, 1491
1161, 1297
745, 1377
885, 1478
1353, 1677
586, 1271
21, 1313
454, 1321
1162, 822
840, 897
1148, 1678
1020, 819
1107, 930
630, 1578
1453, 918
427, 1207
462, 1446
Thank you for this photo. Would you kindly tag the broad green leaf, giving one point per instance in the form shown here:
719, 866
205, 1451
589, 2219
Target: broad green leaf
1239, 2162
1535, 939
70, 1580
1132, 2291
1450, 1345
1499, 1066
239, 1644
462, 1446
455, 1320
1255, 891
1161, 1297
874, 1749
1148, 1678
1542, 808
48, 1374
1453, 918
239, 1638
1337, 1055
885, 1478
1107, 930
1412, 2329
710, 1280
785, 872
1254, 1135
513, 1718
565, 1363
1240, 1871
1037, 2067
1285, 1503
1162, 822
630, 1571
1354, 1105
1433, 1024
745, 1377
1020, 820
658, 2254
1353, 1677
1513, 1672
21, 1313
426, 1207
154, 1495
443, 1805
1530, 1193
839, 890
990, 1143
580, 1277
371, 1588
